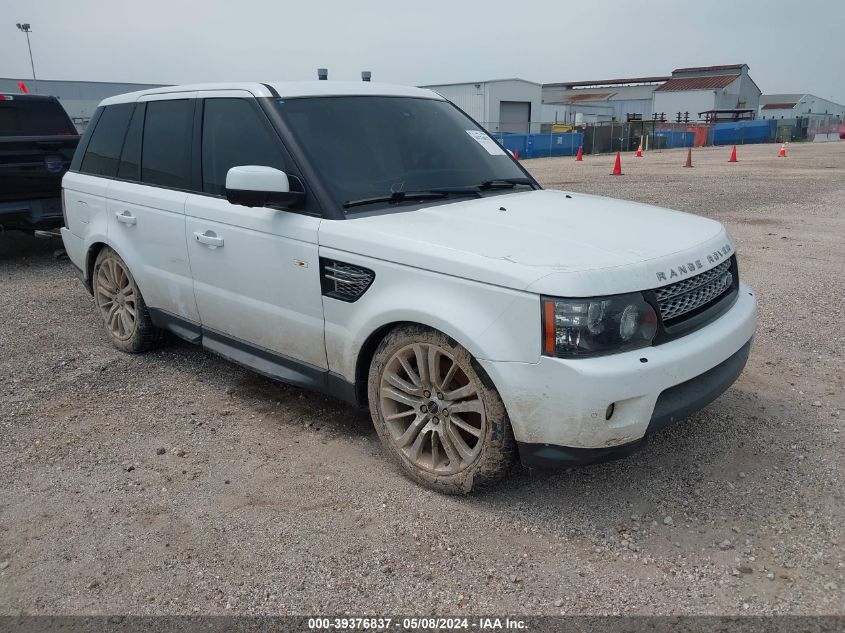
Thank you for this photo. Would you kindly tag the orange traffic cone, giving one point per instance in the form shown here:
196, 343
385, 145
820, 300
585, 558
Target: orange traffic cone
617, 168
732, 159
516, 154
640, 150
580, 154
782, 152
689, 158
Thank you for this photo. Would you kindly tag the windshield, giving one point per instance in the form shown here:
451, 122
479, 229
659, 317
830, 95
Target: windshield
370, 147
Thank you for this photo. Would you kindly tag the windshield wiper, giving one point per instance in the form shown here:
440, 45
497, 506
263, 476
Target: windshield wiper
440, 192
497, 183
404, 196
504, 183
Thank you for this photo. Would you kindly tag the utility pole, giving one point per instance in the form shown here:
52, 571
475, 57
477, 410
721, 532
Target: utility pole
25, 28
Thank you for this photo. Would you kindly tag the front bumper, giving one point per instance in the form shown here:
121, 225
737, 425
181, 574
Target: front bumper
562, 403
672, 405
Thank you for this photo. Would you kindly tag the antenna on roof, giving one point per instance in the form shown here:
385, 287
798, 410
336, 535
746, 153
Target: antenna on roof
322, 74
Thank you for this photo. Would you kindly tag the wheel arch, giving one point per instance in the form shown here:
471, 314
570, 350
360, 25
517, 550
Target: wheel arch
368, 349
90, 259
366, 353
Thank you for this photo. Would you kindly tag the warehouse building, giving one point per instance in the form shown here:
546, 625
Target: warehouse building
499, 105
791, 106
79, 98
708, 93
803, 116
577, 102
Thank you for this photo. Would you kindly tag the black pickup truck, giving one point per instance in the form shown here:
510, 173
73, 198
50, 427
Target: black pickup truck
37, 141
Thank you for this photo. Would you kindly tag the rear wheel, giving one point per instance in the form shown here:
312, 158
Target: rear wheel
121, 305
437, 412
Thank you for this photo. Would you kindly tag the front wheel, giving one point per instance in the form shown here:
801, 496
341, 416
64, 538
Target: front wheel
437, 412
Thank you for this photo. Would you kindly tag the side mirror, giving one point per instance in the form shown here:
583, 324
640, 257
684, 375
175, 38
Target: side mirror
258, 186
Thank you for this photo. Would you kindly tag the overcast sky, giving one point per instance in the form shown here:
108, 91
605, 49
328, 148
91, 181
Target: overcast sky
790, 46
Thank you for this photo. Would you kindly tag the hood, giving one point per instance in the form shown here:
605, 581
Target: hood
549, 242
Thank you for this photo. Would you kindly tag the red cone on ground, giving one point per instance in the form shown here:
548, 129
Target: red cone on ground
732, 159
782, 152
689, 158
640, 150
516, 154
580, 154
617, 168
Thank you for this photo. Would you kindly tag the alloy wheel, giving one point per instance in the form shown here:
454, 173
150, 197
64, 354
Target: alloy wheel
115, 294
432, 409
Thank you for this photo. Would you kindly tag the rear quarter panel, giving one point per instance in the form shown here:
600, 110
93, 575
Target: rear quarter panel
86, 208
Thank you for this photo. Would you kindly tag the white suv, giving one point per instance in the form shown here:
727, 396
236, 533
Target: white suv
374, 243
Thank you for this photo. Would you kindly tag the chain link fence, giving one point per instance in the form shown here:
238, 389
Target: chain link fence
541, 139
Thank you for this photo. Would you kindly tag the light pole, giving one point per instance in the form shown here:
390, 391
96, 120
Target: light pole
26, 29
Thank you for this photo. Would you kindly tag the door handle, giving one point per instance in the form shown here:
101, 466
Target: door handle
208, 237
126, 217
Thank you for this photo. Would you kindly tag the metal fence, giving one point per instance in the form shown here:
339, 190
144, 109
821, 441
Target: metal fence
545, 139
825, 128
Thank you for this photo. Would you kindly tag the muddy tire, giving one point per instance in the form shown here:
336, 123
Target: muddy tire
437, 412
125, 315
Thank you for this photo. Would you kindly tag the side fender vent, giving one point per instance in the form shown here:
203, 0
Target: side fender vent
346, 282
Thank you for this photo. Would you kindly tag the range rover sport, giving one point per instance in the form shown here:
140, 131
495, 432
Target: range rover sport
374, 243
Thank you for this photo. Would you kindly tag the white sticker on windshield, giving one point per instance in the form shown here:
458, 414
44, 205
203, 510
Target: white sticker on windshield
492, 147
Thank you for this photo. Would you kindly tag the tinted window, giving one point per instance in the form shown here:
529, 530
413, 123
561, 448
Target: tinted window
86, 138
165, 154
130, 158
235, 132
45, 117
373, 146
37, 117
9, 123
103, 151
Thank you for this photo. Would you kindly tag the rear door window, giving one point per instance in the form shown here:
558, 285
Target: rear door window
165, 153
103, 152
235, 132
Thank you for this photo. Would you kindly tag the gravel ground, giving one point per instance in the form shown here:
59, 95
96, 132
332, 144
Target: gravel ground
175, 482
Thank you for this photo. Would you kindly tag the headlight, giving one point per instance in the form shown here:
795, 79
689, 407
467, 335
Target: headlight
596, 326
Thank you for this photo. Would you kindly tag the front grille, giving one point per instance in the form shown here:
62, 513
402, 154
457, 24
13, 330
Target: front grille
343, 281
683, 297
